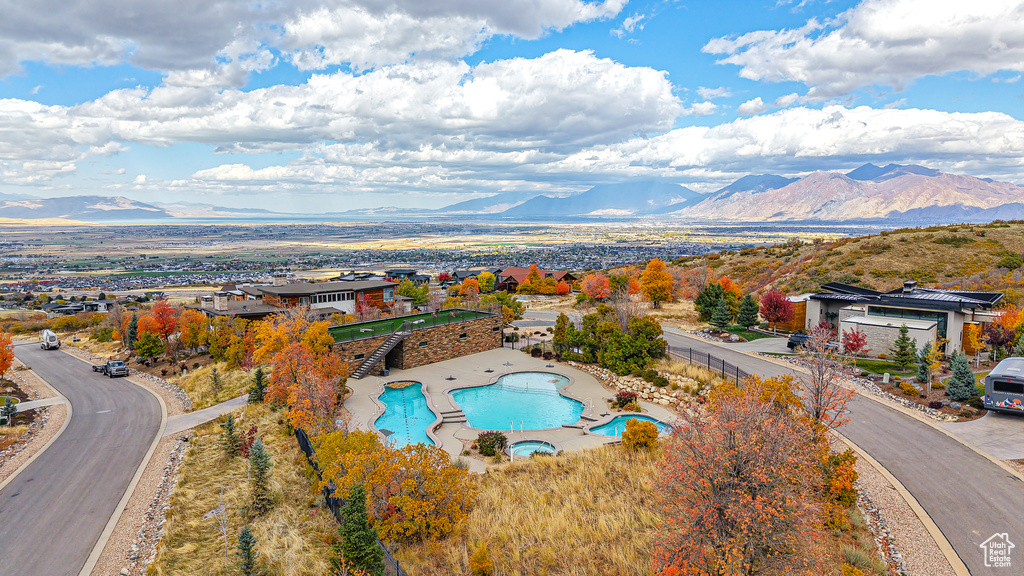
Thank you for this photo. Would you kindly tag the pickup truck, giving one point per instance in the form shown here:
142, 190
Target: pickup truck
112, 368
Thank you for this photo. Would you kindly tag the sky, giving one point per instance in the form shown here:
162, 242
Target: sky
315, 106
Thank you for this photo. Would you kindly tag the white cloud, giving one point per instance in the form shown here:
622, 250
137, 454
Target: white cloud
700, 109
885, 43
139, 180
751, 107
783, 101
629, 25
711, 93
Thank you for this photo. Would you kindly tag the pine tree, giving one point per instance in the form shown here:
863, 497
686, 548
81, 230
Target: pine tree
259, 479
721, 317
707, 300
1018, 350
748, 311
358, 544
961, 385
247, 557
232, 443
133, 331
924, 370
258, 388
903, 351
215, 383
8, 410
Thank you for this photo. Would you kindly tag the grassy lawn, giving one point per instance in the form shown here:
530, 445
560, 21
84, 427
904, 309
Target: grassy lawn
746, 334
292, 539
883, 366
199, 385
388, 325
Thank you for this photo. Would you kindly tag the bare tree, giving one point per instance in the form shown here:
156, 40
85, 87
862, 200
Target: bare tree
626, 306
825, 395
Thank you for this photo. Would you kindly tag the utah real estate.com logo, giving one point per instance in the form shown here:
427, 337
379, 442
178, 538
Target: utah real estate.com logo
997, 550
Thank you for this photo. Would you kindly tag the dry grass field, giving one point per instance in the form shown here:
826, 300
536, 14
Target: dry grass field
970, 257
293, 539
199, 384
580, 514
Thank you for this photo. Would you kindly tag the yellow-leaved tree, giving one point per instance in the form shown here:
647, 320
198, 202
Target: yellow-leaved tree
657, 282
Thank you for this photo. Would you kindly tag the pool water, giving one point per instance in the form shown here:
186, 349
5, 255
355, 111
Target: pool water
618, 425
406, 415
526, 448
523, 400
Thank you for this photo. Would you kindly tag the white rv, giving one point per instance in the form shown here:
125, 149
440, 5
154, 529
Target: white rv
48, 340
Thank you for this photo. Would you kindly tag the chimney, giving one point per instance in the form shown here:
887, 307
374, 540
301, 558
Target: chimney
280, 279
909, 286
220, 301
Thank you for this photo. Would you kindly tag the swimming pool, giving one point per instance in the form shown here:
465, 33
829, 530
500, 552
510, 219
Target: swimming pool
406, 415
526, 448
618, 425
523, 400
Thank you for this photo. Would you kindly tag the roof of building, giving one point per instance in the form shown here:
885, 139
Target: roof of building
324, 287
402, 271
241, 308
889, 322
910, 296
520, 274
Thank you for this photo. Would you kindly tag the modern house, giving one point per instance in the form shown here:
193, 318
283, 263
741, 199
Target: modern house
339, 295
928, 313
399, 274
509, 279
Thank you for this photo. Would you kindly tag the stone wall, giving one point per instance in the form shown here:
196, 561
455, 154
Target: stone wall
679, 398
441, 343
880, 338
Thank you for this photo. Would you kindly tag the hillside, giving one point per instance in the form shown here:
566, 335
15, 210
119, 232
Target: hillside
969, 257
88, 208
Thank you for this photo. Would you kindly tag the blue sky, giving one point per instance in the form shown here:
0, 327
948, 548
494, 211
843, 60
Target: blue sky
324, 106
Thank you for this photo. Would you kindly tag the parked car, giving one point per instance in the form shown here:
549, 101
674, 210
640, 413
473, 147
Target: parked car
112, 368
797, 340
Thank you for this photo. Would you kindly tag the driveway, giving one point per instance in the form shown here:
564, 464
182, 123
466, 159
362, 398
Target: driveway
968, 497
53, 512
1001, 435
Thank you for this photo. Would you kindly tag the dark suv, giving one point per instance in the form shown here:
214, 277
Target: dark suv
797, 340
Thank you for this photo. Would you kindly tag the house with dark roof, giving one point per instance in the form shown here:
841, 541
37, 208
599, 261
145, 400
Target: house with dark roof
928, 313
339, 295
509, 279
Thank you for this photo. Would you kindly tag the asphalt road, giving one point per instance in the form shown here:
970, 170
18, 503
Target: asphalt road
968, 497
52, 514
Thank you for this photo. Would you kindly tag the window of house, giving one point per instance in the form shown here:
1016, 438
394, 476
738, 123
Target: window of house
358, 356
389, 294
496, 328
462, 336
304, 301
423, 344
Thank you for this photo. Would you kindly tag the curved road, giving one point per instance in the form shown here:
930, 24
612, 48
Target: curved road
52, 514
967, 496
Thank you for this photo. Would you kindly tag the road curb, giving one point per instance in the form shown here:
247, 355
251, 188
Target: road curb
108, 530
955, 562
67, 420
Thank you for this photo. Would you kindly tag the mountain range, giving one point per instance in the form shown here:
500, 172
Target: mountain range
891, 193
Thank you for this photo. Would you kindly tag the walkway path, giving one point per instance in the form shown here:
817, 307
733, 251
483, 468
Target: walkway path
968, 496
52, 514
177, 424
33, 404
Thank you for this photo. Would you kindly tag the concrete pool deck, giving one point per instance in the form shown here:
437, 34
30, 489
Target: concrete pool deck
472, 371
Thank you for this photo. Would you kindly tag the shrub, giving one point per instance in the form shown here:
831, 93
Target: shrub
548, 355
1011, 262
480, 563
632, 407
975, 402
882, 356
935, 404
908, 388
624, 397
862, 560
850, 570
660, 381
536, 352
640, 435
492, 443
650, 375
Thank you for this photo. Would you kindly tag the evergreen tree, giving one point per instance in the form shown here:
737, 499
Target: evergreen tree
133, 331
1018, 350
8, 410
561, 333
924, 370
259, 479
232, 443
903, 351
707, 300
258, 388
961, 385
721, 317
246, 552
358, 543
748, 311
215, 383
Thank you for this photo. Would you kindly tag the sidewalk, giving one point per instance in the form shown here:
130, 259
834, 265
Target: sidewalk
177, 424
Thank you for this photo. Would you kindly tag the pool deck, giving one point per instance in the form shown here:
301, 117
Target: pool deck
471, 371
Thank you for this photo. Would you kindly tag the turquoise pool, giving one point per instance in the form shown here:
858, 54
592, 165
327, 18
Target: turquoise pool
618, 425
406, 415
526, 400
527, 448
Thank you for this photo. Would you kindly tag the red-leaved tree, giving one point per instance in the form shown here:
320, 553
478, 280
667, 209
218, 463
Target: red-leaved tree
165, 319
855, 342
597, 286
775, 307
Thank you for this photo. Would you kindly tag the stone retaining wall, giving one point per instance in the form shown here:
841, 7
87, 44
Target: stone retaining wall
664, 396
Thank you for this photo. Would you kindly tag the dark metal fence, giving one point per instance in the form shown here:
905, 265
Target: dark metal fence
712, 363
334, 504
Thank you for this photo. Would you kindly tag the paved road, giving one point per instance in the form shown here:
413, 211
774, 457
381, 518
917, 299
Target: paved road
52, 514
967, 496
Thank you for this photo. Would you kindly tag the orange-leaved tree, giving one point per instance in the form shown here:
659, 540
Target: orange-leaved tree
413, 493
148, 325
657, 282
597, 286
194, 328
562, 288
165, 320
740, 491
469, 289
275, 332
6, 352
